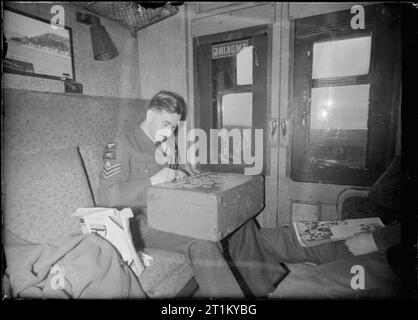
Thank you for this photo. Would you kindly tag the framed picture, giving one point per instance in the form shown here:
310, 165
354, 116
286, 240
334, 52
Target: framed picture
35, 48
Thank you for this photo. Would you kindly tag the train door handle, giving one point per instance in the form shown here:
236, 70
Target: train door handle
284, 126
273, 128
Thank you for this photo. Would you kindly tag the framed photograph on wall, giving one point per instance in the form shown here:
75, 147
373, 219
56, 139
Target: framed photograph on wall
35, 48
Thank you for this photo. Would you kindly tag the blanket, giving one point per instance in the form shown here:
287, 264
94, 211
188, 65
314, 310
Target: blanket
83, 266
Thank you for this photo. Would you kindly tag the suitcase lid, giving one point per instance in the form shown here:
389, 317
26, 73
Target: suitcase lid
208, 182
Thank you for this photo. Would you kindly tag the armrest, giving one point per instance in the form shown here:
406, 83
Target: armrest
347, 193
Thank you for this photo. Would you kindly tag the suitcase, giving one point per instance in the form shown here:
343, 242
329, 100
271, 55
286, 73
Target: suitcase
207, 206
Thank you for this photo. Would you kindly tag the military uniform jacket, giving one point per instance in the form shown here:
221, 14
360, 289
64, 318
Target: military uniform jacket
128, 164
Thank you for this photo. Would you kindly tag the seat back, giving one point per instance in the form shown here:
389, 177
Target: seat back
386, 191
44, 178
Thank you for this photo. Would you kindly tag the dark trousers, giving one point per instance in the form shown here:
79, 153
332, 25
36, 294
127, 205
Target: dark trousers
338, 272
257, 254
251, 256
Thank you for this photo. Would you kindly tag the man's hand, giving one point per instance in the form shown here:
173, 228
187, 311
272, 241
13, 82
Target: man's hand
361, 243
191, 169
164, 175
180, 174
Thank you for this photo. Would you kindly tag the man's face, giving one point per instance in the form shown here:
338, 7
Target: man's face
162, 123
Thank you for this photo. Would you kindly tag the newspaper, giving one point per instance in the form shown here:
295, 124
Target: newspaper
112, 225
313, 233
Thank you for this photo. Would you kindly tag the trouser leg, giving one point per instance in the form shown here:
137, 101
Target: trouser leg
354, 277
210, 269
285, 244
255, 259
338, 270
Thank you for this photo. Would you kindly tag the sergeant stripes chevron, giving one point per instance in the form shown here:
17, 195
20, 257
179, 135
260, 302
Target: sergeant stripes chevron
109, 170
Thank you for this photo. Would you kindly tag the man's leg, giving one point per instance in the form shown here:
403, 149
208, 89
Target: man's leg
256, 260
286, 245
210, 269
364, 276
333, 277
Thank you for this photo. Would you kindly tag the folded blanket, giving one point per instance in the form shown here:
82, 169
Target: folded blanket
77, 266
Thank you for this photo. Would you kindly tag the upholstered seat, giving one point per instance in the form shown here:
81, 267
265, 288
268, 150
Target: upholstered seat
46, 181
167, 274
382, 200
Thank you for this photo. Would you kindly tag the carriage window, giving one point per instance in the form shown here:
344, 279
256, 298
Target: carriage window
340, 102
348, 57
338, 127
345, 88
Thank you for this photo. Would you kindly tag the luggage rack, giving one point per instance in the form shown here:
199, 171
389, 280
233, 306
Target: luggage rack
132, 15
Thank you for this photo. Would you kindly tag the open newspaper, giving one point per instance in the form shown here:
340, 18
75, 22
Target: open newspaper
112, 225
313, 233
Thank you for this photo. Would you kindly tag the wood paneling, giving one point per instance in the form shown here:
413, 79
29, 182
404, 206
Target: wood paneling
306, 9
211, 6
281, 80
162, 57
328, 211
324, 193
239, 19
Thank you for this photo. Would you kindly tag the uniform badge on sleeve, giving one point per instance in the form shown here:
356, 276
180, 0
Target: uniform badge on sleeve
109, 155
110, 167
110, 151
110, 170
111, 146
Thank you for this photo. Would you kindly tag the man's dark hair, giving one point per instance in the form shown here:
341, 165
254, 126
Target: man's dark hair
170, 102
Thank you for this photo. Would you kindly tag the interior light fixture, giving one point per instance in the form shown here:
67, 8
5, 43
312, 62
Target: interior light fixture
103, 47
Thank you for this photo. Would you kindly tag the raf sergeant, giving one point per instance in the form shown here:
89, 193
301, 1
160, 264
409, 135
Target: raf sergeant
130, 167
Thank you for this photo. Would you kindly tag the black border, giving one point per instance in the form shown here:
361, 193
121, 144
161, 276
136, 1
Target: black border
409, 152
272, 308
38, 75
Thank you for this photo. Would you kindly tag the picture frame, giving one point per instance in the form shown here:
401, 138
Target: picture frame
34, 48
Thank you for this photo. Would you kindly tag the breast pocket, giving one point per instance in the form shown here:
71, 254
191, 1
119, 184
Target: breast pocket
142, 166
139, 170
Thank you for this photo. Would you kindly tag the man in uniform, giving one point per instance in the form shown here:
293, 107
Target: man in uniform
130, 167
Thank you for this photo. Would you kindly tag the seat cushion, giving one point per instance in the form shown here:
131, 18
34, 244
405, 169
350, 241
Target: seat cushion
167, 274
41, 191
386, 191
384, 198
359, 207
